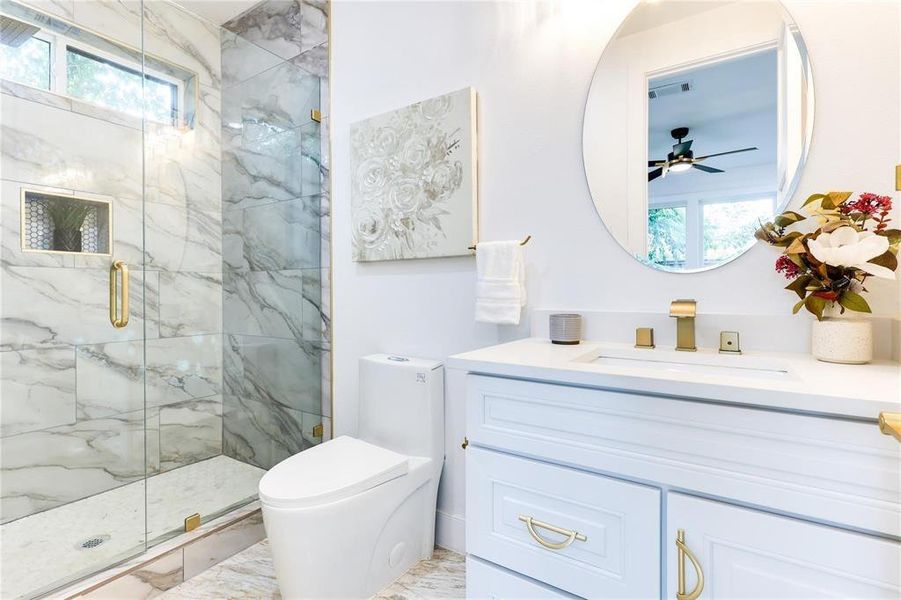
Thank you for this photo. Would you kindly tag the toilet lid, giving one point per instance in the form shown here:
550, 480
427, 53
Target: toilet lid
333, 470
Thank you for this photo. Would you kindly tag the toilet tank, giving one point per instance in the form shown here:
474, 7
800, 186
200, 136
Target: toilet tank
402, 404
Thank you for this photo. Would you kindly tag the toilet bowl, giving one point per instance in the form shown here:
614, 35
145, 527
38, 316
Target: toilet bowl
349, 516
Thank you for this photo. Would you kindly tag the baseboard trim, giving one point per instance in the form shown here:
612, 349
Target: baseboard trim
450, 531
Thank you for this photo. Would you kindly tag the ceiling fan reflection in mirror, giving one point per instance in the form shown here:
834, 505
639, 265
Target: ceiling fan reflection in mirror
682, 159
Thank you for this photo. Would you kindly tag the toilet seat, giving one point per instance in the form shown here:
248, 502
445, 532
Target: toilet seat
331, 471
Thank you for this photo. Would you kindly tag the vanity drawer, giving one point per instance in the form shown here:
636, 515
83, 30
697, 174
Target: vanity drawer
829, 469
616, 553
486, 580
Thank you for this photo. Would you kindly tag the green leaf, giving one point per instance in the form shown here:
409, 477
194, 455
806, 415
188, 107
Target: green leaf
798, 306
815, 305
854, 302
799, 285
886, 259
788, 218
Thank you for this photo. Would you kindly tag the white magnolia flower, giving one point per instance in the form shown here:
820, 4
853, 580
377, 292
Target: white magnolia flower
847, 247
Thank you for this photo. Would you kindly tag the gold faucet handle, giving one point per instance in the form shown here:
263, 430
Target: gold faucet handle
644, 337
683, 308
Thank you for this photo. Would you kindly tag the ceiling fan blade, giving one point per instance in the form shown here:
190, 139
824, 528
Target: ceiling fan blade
707, 169
656, 163
655, 174
681, 148
725, 153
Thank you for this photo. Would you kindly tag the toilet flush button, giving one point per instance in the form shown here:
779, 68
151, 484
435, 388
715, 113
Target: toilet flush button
397, 554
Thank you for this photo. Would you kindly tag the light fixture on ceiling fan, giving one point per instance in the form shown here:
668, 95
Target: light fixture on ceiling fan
682, 159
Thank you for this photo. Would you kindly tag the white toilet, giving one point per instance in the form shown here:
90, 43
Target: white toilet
349, 516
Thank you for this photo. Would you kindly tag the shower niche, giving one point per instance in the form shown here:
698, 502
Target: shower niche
54, 222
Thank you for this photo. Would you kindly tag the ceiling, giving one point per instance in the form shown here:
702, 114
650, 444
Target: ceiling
723, 97
650, 14
217, 11
733, 104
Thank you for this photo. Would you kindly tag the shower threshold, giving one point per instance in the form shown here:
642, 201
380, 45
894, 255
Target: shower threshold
48, 549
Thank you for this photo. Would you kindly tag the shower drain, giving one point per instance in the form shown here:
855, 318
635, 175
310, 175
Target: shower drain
91, 542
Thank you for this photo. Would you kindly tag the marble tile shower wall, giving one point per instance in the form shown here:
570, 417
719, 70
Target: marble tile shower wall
275, 230
72, 421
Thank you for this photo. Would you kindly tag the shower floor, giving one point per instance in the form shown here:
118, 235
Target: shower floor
42, 551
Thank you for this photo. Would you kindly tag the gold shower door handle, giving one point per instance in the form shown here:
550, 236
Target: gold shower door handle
683, 551
571, 536
119, 320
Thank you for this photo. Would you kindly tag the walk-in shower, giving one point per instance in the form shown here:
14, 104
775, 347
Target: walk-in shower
163, 328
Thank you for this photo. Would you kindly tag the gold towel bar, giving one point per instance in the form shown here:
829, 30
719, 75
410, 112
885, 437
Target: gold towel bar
522, 243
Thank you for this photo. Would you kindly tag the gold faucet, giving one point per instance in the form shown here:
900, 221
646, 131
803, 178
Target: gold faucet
684, 311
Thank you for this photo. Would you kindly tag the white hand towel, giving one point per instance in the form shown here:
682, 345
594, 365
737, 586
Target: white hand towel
500, 285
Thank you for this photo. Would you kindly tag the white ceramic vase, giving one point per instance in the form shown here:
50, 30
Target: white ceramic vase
838, 339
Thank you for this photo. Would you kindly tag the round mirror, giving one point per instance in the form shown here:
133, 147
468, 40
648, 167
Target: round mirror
696, 128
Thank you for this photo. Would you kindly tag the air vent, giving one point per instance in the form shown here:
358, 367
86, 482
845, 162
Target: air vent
670, 89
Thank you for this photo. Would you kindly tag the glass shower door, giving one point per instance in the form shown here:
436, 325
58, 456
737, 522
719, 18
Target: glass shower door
75, 307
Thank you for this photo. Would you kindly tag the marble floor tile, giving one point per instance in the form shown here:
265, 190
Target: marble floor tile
147, 582
219, 546
251, 575
43, 550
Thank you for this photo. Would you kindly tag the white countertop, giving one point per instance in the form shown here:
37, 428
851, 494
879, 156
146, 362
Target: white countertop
860, 391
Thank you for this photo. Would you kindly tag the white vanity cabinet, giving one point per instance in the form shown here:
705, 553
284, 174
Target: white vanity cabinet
585, 490
746, 553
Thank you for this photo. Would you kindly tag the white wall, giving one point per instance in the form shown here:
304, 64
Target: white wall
532, 65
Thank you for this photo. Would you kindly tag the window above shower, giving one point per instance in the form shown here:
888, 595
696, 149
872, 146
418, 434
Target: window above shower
47, 53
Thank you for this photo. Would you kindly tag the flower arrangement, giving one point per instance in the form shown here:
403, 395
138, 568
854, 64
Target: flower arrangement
830, 265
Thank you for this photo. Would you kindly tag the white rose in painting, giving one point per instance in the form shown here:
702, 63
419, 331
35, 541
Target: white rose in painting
847, 247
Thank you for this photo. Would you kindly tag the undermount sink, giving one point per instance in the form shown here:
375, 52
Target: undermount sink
739, 365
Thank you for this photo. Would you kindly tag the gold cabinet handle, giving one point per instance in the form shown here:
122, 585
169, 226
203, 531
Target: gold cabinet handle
118, 320
890, 424
683, 551
571, 536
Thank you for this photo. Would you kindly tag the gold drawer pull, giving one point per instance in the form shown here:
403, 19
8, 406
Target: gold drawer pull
682, 552
115, 269
571, 536
890, 424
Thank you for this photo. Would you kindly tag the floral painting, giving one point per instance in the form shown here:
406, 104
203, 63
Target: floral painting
414, 180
